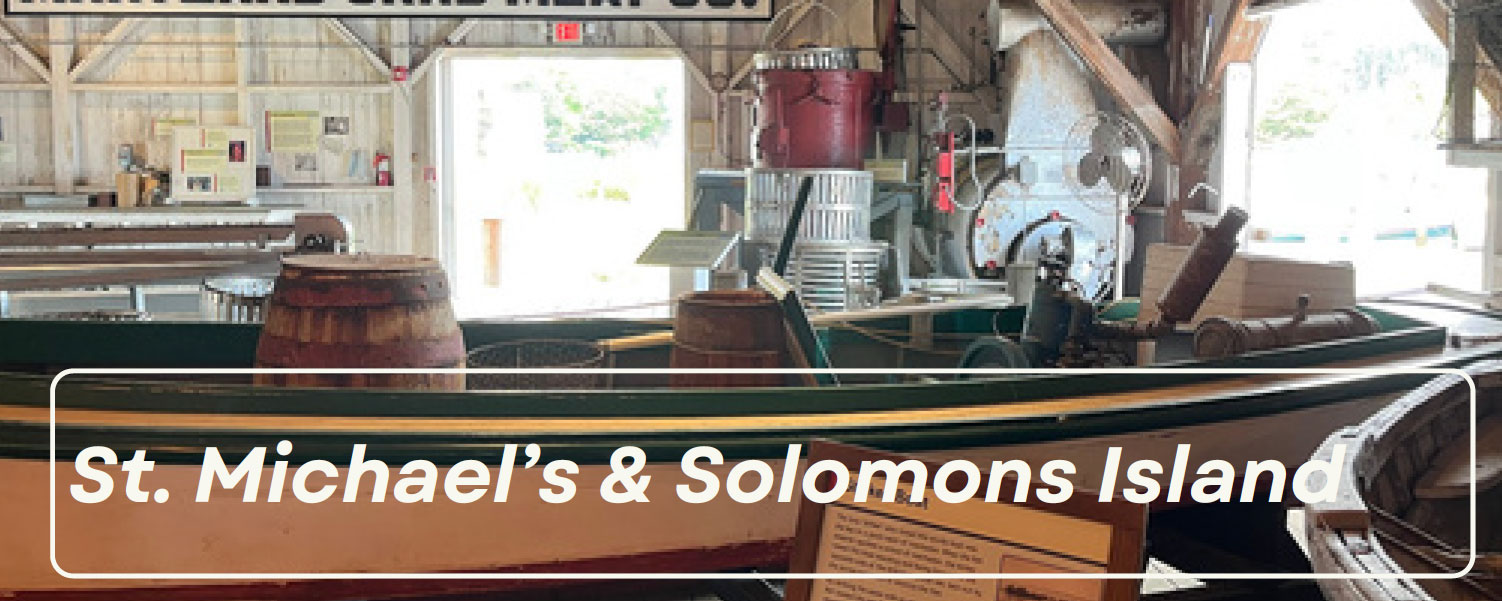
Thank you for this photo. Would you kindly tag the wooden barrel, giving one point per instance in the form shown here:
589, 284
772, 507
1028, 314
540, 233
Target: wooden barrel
361, 311
728, 329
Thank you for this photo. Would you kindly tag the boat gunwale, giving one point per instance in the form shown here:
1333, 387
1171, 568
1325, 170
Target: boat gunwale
185, 445
1332, 527
158, 396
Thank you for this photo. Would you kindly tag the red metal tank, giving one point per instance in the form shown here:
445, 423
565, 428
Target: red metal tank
813, 119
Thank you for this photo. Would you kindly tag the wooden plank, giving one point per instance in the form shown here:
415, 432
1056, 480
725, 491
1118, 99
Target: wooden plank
117, 41
1437, 15
434, 52
1129, 93
12, 237
1236, 43
1450, 474
1465, 58
17, 44
935, 28
688, 61
133, 274
54, 259
1252, 286
242, 73
353, 39
64, 115
402, 198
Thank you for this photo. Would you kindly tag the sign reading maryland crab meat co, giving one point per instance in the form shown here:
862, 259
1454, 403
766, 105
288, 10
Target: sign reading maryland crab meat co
571, 9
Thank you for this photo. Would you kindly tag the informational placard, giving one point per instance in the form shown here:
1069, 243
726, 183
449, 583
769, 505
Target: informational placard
213, 163
293, 131
704, 250
707, 10
161, 128
1078, 536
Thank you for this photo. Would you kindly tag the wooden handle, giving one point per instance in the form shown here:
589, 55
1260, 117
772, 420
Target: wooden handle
629, 343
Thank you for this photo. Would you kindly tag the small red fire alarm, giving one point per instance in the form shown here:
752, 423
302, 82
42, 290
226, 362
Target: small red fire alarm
399, 73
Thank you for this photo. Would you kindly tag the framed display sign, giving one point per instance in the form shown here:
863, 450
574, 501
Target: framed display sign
704, 10
213, 163
702, 250
1078, 536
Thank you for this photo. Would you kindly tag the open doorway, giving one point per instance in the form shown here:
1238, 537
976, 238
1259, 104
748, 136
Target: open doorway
1346, 164
563, 170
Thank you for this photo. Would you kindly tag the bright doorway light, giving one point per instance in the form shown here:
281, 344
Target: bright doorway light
1351, 110
564, 169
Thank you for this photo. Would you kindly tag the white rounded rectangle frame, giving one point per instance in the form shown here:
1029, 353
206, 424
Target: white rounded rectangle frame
1352, 372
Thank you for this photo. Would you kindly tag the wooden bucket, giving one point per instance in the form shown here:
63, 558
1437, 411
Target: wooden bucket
728, 329
361, 311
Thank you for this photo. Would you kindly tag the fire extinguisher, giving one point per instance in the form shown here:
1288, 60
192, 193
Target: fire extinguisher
383, 169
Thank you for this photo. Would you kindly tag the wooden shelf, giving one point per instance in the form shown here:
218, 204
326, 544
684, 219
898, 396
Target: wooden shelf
325, 189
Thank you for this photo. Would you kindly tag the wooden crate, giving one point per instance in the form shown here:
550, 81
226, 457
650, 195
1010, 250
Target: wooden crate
1252, 286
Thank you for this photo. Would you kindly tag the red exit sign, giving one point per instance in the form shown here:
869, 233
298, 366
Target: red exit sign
568, 32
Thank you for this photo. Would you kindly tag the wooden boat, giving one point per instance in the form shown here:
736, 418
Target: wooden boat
1231, 417
1406, 508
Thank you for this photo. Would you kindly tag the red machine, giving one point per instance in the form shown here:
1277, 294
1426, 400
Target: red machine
813, 119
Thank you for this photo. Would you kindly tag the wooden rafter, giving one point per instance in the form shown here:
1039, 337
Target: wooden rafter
1119, 81
17, 45
1236, 42
947, 37
454, 37
1488, 80
353, 39
115, 42
693, 68
934, 27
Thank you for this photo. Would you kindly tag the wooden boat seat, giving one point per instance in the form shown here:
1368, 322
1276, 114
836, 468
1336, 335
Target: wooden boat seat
1450, 475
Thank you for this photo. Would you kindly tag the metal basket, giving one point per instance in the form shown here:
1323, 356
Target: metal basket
839, 205
237, 299
537, 354
833, 277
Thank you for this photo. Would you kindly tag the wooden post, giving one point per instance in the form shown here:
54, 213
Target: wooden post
64, 114
401, 137
242, 74
1463, 60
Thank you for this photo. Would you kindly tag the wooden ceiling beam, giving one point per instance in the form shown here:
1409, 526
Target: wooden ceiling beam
694, 70
455, 36
1130, 94
1488, 80
1237, 42
355, 41
117, 40
17, 44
